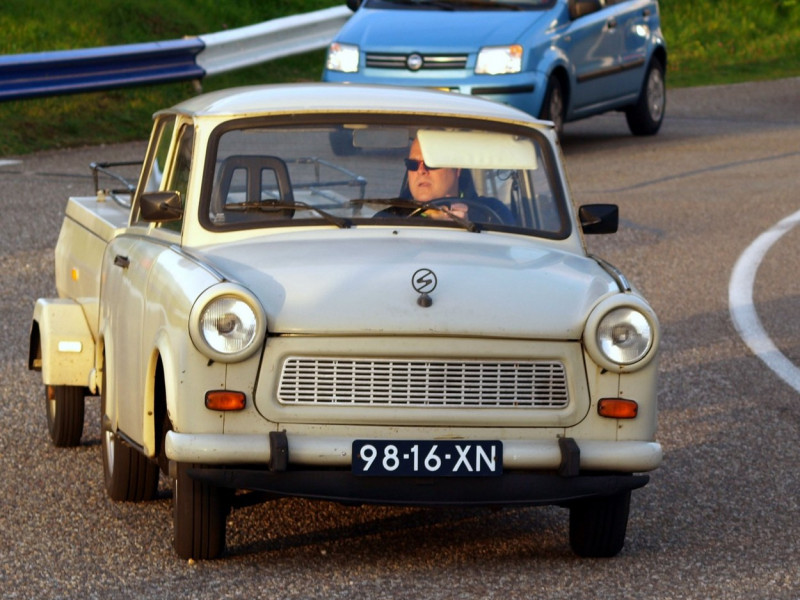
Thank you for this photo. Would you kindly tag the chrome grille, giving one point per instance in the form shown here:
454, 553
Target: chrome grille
429, 61
423, 383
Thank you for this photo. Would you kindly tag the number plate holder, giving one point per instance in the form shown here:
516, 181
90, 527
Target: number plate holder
428, 458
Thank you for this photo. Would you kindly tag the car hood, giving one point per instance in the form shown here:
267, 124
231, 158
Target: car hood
421, 30
349, 282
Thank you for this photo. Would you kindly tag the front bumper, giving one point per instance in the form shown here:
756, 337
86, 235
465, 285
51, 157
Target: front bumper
534, 472
305, 451
524, 90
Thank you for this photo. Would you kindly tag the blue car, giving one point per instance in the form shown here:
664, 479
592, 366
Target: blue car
559, 60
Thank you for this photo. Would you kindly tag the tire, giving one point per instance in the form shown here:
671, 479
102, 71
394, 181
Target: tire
645, 117
553, 108
597, 526
128, 475
199, 516
65, 407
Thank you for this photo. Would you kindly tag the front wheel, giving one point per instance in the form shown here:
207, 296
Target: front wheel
645, 117
65, 407
199, 514
553, 108
597, 526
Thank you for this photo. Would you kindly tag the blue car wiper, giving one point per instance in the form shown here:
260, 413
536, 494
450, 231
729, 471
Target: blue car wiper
443, 4
454, 4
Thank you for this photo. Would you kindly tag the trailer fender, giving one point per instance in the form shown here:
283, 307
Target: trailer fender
61, 343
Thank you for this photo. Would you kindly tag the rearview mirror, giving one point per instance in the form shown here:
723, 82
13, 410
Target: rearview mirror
161, 206
599, 218
580, 8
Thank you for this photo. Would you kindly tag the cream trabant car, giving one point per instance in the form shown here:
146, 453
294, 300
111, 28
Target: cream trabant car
363, 294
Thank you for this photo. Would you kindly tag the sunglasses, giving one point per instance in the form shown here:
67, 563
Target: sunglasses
412, 164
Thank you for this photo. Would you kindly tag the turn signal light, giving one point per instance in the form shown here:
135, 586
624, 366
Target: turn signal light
617, 408
225, 400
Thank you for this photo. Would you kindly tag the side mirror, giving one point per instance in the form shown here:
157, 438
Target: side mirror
599, 218
353, 4
161, 206
580, 8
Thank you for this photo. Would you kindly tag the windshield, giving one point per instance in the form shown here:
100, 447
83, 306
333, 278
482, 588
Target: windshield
358, 174
461, 4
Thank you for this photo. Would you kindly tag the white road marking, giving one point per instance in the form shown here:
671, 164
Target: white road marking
6, 163
740, 302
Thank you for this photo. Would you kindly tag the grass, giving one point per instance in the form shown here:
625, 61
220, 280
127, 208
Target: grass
713, 42
710, 42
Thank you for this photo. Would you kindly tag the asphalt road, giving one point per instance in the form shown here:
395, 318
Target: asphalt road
719, 520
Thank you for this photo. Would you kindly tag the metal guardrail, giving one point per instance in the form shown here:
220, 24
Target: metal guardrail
39, 74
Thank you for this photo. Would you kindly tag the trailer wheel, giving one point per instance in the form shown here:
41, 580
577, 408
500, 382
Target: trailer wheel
64, 407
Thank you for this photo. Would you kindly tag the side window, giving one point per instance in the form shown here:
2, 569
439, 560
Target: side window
162, 151
179, 181
181, 168
155, 164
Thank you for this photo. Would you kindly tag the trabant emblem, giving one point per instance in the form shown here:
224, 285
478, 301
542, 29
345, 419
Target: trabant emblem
424, 282
414, 62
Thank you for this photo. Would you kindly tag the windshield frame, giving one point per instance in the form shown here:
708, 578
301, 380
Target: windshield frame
548, 157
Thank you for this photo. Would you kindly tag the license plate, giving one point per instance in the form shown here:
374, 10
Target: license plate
439, 458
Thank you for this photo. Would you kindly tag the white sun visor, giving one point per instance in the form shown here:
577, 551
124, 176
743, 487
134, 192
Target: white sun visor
476, 149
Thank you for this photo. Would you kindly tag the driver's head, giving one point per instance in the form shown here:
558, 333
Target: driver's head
427, 184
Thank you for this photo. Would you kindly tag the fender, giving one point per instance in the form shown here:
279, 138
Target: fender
66, 346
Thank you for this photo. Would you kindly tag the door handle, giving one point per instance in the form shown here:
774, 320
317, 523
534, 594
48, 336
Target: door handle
122, 261
611, 24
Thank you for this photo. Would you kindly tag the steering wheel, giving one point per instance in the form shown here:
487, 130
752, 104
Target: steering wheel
478, 210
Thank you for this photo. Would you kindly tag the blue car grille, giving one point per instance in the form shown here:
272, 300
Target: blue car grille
429, 61
423, 383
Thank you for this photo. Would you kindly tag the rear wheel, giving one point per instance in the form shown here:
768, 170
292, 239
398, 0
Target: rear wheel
199, 514
65, 407
597, 526
645, 117
128, 475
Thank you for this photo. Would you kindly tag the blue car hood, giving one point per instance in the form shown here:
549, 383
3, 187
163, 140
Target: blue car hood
419, 30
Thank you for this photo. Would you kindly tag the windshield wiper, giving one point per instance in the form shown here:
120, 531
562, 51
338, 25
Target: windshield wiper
443, 4
452, 4
268, 205
422, 207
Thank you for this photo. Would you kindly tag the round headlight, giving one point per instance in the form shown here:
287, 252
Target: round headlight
622, 333
624, 336
227, 323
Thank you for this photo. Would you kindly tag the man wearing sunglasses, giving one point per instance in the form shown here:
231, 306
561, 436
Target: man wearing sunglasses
429, 183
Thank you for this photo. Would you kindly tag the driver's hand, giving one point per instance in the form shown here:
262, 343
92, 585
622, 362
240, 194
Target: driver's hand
458, 209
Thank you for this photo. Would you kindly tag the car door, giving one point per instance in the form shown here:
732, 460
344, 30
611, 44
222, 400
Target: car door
594, 41
126, 273
633, 18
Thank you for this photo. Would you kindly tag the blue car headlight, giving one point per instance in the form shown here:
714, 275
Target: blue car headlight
499, 60
343, 58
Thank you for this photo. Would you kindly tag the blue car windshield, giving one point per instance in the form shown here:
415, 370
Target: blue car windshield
461, 4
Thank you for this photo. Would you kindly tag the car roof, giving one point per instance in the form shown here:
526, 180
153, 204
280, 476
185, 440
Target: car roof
343, 98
